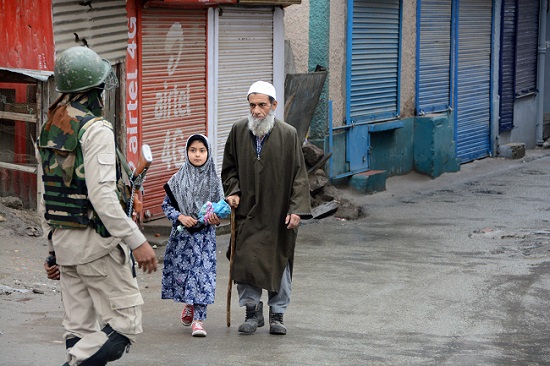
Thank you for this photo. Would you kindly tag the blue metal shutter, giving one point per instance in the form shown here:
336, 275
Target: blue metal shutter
473, 107
373, 90
507, 65
433, 73
527, 44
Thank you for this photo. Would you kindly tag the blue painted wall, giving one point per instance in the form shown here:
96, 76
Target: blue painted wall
319, 36
337, 164
392, 150
434, 145
424, 144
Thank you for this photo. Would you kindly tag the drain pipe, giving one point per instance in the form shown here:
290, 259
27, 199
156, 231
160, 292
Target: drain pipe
540, 70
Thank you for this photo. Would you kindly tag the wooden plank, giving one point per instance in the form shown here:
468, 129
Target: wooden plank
319, 164
324, 210
21, 168
18, 116
302, 92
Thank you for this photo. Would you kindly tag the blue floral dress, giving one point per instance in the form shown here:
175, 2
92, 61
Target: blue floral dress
189, 273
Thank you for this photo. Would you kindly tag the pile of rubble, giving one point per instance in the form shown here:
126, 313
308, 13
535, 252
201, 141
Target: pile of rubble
326, 200
16, 221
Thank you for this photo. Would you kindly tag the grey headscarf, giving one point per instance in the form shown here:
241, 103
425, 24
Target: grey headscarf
193, 186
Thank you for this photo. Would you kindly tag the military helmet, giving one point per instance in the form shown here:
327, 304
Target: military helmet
79, 68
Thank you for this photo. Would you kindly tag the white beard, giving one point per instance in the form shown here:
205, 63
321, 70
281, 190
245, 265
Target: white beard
260, 127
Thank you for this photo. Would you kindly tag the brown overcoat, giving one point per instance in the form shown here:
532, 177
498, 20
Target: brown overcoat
270, 186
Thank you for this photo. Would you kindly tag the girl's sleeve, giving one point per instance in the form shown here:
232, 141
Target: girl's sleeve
171, 213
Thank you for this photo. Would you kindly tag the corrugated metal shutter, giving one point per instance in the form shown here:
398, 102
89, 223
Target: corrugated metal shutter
245, 55
507, 65
374, 90
473, 111
102, 24
173, 98
527, 44
434, 57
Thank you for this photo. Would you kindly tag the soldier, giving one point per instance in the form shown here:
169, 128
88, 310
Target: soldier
89, 235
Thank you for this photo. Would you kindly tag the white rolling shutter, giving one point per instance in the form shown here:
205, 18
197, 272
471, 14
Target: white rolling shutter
245, 55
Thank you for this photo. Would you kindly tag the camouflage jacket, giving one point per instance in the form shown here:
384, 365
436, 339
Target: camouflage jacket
65, 191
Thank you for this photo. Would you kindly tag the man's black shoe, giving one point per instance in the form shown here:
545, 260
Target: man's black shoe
254, 318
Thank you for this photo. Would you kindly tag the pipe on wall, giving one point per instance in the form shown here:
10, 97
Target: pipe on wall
540, 70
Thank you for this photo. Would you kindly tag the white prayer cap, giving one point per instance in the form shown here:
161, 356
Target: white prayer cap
263, 87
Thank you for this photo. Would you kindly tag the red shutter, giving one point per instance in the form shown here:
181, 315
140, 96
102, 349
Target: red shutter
173, 92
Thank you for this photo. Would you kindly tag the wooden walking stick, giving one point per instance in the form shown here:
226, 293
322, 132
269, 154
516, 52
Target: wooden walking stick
232, 251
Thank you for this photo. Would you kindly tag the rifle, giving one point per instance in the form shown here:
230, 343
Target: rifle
137, 177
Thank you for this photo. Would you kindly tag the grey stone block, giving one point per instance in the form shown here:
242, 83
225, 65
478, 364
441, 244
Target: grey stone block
513, 150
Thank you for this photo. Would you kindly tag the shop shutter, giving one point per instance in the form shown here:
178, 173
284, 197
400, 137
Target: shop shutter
527, 46
507, 90
245, 55
434, 57
373, 93
473, 111
173, 97
102, 25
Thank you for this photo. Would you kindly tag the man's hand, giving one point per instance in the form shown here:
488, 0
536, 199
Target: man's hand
233, 200
292, 221
146, 257
52, 271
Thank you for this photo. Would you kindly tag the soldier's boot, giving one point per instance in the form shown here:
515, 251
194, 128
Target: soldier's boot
254, 318
69, 343
111, 350
276, 325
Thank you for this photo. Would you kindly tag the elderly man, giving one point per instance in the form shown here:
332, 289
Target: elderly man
265, 179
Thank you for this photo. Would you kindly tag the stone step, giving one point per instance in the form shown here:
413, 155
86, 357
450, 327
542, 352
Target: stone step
369, 182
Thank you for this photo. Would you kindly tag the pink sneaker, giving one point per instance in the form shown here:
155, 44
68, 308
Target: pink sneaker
198, 330
187, 315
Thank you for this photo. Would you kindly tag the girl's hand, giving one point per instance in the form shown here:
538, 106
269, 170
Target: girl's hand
213, 219
187, 221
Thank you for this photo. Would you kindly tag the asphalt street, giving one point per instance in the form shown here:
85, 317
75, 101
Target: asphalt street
446, 271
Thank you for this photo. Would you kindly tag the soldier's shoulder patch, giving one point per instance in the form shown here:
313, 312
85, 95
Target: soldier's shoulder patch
107, 123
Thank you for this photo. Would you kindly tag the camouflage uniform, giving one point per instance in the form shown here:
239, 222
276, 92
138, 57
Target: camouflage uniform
79, 166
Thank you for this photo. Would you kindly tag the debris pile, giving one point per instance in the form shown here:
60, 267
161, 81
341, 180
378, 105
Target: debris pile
16, 221
326, 200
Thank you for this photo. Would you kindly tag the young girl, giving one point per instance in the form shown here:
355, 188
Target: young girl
189, 274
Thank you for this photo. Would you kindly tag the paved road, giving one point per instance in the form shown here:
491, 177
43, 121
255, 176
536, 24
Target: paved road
451, 271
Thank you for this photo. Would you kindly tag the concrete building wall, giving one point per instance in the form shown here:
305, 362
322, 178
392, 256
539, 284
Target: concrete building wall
525, 123
296, 24
547, 74
337, 57
297, 34
297, 18
408, 59
319, 50
546, 108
